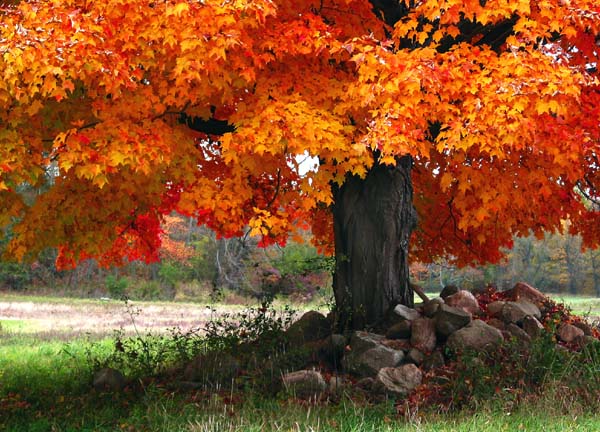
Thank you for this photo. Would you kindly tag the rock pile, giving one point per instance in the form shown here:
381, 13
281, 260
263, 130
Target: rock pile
417, 340
393, 361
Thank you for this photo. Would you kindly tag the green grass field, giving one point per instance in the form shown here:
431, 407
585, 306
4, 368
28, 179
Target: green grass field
45, 385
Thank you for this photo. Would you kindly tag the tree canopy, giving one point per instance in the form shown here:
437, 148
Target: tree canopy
128, 110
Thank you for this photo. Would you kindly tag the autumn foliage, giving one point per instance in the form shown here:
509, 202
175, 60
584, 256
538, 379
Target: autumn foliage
128, 110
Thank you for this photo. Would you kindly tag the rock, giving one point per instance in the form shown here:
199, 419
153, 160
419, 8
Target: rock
517, 332
304, 384
448, 291
311, 327
568, 333
514, 312
423, 334
336, 384
397, 344
362, 341
587, 329
400, 330
481, 289
448, 319
495, 308
532, 327
431, 307
332, 348
405, 313
523, 291
109, 379
212, 367
369, 362
415, 356
477, 336
365, 384
499, 324
464, 300
398, 381
433, 361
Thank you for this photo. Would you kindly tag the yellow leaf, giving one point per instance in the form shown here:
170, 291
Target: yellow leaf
35, 107
446, 180
388, 160
179, 9
117, 158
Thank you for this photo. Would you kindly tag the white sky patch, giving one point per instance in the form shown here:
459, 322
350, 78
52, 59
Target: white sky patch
307, 163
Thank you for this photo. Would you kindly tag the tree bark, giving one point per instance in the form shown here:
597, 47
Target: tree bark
373, 221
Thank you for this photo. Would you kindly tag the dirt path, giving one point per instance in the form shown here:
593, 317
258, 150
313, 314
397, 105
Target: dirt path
66, 320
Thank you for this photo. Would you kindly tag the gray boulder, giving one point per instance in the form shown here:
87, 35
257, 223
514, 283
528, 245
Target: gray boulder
523, 291
515, 312
495, 308
397, 344
400, 330
587, 329
331, 349
415, 356
499, 324
431, 307
477, 336
304, 384
311, 327
212, 368
448, 291
402, 312
337, 384
398, 381
569, 333
362, 341
464, 300
532, 326
109, 379
449, 319
423, 334
369, 362
519, 334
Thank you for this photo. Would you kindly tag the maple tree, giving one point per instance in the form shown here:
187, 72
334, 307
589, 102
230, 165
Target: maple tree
483, 113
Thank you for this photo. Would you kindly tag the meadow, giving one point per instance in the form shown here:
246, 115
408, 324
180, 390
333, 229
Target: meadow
50, 347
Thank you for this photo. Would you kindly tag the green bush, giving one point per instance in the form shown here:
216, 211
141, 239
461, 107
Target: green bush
301, 259
14, 276
263, 323
171, 273
116, 286
147, 290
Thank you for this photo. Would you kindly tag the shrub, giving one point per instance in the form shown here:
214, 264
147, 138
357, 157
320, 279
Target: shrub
14, 276
149, 290
171, 273
116, 286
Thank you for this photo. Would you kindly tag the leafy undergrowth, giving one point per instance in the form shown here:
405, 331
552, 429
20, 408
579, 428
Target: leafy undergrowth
47, 385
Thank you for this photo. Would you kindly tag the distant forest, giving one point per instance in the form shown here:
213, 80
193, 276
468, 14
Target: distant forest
195, 265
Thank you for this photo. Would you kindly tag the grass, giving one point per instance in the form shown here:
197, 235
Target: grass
45, 385
579, 305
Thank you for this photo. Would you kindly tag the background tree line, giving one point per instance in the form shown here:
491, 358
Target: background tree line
195, 265
554, 263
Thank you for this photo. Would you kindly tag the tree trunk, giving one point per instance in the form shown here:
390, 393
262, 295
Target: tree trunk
373, 221
595, 269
